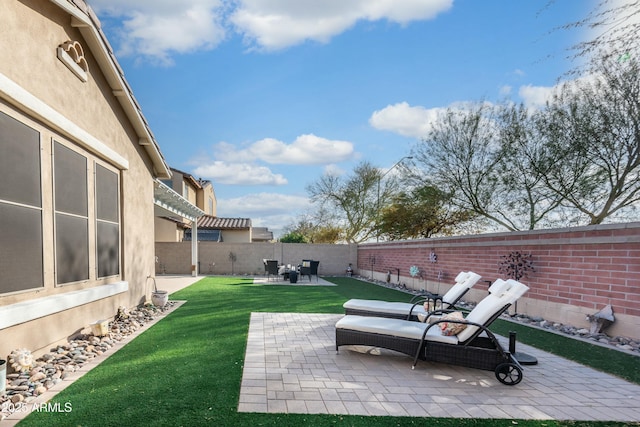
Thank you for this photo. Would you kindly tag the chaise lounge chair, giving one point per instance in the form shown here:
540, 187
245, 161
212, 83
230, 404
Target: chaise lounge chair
413, 310
473, 347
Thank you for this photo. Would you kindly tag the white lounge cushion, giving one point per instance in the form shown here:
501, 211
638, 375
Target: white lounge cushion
461, 277
459, 288
393, 327
499, 286
399, 308
464, 281
490, 305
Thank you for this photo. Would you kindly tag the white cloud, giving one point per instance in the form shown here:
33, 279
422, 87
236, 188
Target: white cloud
334, 170
536, 96
307, 149
262, 204
271, 210
276, 24
405, 120
505, 90
239, 174
157, 28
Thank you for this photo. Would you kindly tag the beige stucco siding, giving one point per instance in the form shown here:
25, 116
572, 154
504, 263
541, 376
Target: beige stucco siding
31, 32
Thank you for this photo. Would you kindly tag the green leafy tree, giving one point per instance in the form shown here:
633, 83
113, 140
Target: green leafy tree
293, 237
421, 213
309, 228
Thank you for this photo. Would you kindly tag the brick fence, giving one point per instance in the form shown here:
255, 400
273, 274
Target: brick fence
578, 271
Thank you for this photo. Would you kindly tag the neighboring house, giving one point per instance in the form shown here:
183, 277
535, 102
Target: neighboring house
80, 177
261, 234
200, 193
230, 230
170, 227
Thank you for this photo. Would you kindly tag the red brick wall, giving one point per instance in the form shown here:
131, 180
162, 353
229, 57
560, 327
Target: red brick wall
585, 266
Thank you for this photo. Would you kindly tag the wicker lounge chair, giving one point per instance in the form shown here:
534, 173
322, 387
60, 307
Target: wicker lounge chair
413, 310
474, 347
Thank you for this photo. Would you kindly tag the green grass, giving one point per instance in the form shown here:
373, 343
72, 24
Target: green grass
186, 370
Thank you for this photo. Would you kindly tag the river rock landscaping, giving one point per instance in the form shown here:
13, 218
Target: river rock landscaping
34, 377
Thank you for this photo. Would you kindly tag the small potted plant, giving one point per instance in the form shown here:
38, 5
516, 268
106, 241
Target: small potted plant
158, 298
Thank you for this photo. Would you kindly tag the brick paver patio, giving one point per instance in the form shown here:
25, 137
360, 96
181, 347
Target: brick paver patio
291, 366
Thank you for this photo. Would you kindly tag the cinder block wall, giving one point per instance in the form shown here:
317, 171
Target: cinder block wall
175, 258
577, 270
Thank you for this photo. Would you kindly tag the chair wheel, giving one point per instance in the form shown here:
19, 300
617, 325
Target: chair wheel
508, 373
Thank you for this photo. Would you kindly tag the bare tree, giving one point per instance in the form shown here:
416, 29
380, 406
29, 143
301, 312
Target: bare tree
461, 156
531, 203
614, 26
591, 132
353, 200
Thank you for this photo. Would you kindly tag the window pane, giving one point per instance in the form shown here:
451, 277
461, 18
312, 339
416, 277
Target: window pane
72, 248
19, 162
106, 194
21, 249
71, 181
108, 249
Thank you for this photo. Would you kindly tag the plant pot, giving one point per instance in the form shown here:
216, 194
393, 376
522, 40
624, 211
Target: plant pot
3, 376
159, 298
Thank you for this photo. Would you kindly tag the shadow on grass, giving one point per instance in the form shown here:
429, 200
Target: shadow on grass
186, 370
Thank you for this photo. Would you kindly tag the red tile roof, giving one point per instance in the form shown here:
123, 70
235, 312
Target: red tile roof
208, 221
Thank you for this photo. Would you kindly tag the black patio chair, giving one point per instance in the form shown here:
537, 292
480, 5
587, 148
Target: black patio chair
271, 268
309, 268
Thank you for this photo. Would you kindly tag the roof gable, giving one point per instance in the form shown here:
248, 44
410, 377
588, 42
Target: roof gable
83, 18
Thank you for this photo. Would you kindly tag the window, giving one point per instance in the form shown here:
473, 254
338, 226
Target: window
107, 222
71, 215
21, 254
60, 210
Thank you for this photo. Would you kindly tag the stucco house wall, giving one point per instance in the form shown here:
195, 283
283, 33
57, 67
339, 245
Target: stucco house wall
167, 231
93, 118
236, 236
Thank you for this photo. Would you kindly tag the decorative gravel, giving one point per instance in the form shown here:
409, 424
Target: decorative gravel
49, 369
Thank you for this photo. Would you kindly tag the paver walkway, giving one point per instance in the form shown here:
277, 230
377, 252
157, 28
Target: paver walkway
291, 366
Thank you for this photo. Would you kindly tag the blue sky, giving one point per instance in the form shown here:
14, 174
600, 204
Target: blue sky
264, 96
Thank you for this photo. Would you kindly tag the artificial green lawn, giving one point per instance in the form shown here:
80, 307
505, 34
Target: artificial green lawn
186, 369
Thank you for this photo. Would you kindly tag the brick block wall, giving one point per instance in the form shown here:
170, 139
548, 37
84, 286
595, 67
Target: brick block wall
577, 270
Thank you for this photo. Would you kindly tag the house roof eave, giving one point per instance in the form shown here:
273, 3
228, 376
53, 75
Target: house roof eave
89, 26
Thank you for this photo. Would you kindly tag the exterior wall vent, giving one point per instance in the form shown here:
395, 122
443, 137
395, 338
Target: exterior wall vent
72, 55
